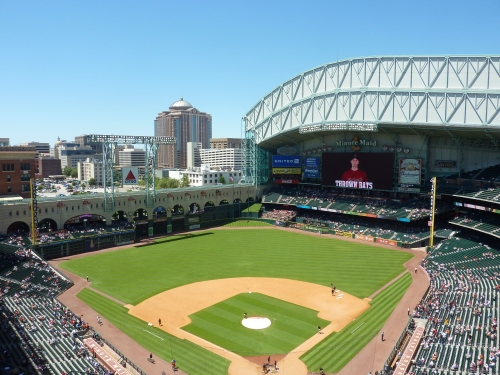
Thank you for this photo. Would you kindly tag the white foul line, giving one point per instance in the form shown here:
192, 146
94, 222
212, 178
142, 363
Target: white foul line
357, 327
151, 333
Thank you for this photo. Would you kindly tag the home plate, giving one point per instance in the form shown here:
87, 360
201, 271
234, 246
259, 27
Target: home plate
256, 322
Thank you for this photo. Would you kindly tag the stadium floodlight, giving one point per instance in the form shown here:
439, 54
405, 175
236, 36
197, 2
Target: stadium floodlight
362, 127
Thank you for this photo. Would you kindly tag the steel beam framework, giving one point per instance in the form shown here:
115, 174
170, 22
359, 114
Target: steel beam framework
440, 90
451, 92
109, 143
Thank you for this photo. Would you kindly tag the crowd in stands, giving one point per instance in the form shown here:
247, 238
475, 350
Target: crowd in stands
280, 215
37, 333
355, 201
388, 229
460, 308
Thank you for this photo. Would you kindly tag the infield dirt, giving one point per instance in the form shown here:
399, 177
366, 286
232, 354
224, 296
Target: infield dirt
174, 306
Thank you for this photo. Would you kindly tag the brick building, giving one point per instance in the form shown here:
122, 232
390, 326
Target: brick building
17, 167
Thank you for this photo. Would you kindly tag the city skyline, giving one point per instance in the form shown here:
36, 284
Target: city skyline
80, 68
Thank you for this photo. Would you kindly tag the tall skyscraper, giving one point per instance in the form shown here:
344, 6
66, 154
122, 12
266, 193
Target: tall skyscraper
186, 124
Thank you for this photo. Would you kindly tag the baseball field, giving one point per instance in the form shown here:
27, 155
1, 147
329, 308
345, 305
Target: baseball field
200, 284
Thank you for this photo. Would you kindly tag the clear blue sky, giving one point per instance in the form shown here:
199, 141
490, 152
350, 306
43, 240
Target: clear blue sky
108, 67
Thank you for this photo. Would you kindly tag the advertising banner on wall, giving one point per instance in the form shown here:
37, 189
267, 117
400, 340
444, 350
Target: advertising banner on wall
311, 173
287, 170
286, 161
445, 163
387, 242
311, 162
410, 171
286, 181
130, 176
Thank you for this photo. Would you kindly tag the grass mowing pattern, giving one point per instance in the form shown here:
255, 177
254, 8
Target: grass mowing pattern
221, 325
248, 223
190, 357
339, 348
135, 274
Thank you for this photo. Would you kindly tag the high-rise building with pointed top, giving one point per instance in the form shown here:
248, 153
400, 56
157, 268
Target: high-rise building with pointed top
186, 124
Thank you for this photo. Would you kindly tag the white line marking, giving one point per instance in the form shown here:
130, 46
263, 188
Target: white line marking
357, 327
151, 333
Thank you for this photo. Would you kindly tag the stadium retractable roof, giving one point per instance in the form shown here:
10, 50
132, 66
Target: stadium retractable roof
439, 96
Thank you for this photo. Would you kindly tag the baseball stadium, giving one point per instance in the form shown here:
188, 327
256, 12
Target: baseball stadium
362, 239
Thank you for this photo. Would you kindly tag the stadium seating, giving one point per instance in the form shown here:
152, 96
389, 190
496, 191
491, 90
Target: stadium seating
461, 309
39, 335
484, 222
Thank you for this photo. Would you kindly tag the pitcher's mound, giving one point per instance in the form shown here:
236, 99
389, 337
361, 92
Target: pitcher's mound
256, 322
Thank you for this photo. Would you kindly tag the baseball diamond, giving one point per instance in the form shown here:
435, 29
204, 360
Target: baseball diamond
365, 228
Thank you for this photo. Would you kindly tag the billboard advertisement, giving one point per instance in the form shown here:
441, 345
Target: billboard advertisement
287, 171
287, 181
445, 163
130, 176
361, 170
311, 173
410, 171
311, 162
281, 161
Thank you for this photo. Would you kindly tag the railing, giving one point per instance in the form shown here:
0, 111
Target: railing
121, 355
387, 365
124, 194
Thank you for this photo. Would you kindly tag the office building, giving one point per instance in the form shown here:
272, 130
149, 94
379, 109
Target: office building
18, 167
223, 159
97, 147
41, 148
205, 176
131, 157
186, 124
91, 168
193, 154
48, 166
222, 143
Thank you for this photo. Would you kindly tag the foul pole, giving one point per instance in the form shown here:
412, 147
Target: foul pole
34, 213
433, 210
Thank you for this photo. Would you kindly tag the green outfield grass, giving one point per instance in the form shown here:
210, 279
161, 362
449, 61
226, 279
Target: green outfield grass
338, 349
135, 274
248, 223
221, 324
190, 357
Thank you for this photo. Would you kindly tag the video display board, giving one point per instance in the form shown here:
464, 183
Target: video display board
368, 170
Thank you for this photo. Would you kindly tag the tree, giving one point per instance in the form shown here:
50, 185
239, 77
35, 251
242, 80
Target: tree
184, 182
92, 182
117, 175
67, 171
222, 180
74, 173
167, 183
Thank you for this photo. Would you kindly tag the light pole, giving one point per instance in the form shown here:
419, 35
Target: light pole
232, 204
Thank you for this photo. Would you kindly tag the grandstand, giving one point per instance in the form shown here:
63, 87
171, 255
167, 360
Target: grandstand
39, 335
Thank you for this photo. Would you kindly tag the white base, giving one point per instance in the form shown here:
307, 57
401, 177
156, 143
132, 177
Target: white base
256, 322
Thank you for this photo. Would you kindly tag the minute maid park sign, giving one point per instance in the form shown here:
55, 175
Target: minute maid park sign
356, 143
